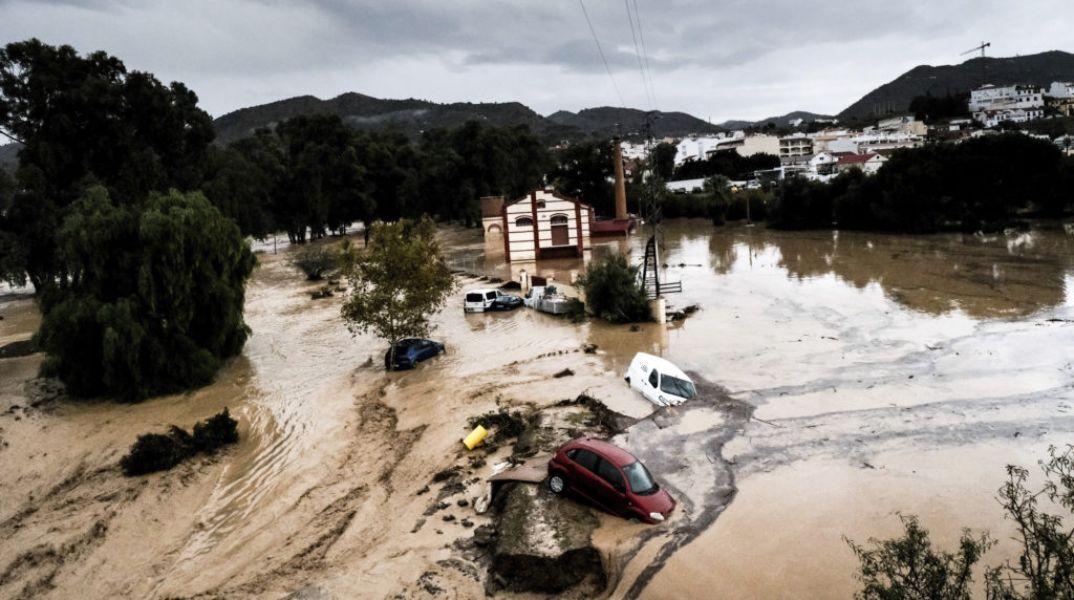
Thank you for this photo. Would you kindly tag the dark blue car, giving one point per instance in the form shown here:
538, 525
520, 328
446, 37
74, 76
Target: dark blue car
411, 351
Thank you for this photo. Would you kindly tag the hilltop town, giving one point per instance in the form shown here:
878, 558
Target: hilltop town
821, 149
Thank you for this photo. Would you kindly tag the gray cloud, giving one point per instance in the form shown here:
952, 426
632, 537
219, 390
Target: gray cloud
734, 58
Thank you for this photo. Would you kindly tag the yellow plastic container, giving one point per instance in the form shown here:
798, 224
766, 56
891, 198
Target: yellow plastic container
475, 438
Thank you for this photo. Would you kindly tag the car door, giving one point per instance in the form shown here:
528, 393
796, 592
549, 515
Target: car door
584, 473
612, 487
652, 385
490, 300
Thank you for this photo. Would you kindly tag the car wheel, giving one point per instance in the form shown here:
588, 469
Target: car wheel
557, 484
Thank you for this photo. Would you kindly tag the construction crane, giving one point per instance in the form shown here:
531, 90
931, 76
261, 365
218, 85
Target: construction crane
976, 48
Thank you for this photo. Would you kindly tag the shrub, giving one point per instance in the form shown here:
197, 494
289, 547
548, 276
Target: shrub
156, 452
153, 452
317, 261
216, 431
909, 567
613, 291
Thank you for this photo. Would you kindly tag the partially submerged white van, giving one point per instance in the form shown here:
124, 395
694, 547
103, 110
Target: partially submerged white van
478, 300
661, 382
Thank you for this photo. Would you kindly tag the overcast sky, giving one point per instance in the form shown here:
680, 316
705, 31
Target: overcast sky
717, 59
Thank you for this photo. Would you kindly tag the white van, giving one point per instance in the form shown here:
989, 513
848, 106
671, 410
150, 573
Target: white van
478, 300
661, 382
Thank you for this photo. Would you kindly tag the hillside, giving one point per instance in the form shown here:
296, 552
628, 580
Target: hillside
895, 96
780, 121
413, 116
366, 112
606, 120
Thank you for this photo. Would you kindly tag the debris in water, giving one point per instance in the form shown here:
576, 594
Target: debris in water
564, 373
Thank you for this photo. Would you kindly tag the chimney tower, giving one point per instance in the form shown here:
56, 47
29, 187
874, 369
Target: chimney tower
620, 183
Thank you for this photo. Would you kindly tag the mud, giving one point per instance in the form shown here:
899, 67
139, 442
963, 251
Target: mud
845, 377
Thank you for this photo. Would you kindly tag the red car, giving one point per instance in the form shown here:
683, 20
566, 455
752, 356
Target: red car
611, 478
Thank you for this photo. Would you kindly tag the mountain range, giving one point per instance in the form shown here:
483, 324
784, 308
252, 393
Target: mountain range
412, 116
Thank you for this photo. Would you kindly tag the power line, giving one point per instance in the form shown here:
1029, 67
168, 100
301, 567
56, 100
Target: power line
601, 51
637, 54
644, 52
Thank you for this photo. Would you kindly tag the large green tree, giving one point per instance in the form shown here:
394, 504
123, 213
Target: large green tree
586, 170
85, 119
397, 282
153, 301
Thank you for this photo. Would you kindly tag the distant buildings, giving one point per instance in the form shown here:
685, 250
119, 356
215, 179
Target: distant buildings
795, 149
992, 105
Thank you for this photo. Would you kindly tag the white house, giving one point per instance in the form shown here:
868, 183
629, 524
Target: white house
758, 144
1060, 89
795, 149
541, 225
868, 163
992, 104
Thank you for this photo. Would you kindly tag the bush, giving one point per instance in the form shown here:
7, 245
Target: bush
217, 431
153, 452
156, 452
909, 567
317, 261
614, 292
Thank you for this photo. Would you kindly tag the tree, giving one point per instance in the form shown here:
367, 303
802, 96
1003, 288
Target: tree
613, 291
664, 160
908, 568
153, 301
397, 283
1045, 567
83, 120
586, 170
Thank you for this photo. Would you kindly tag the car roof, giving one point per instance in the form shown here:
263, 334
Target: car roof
480, 291
661, 365
608, 450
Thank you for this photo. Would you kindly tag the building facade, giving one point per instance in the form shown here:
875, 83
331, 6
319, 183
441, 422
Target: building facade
541, 225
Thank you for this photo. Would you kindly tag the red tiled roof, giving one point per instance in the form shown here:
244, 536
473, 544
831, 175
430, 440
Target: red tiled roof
855, 159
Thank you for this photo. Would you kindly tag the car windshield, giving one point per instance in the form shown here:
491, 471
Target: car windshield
679, 387
641, 482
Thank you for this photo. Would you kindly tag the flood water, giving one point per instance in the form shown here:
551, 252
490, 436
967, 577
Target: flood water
883, 373
889, 374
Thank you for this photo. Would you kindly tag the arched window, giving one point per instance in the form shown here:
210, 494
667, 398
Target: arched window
495, 229
523, 222
559, 219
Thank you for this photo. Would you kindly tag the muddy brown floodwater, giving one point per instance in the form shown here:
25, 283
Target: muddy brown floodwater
845, 377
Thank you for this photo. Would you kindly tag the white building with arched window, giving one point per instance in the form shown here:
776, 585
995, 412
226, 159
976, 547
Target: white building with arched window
543, 224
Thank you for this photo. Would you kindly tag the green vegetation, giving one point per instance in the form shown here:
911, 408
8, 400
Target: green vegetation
931, 108
585, 171
85, 120
397, 282
317, 261
152, 298
981, 184
613, 291
908, 567
153, 452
